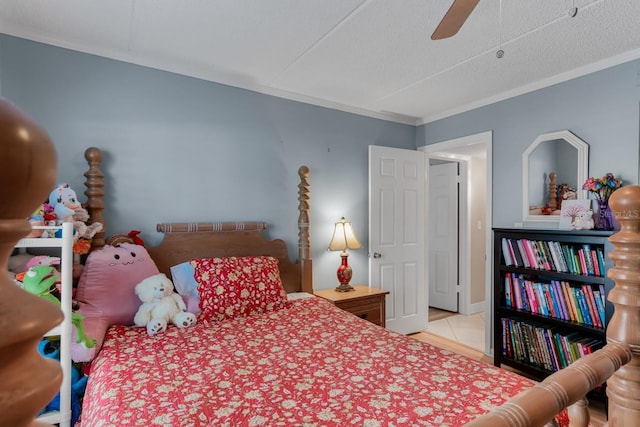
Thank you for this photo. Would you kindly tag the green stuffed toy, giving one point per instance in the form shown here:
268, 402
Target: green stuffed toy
41, 280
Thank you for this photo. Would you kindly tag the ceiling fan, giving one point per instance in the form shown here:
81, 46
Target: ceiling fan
454, 18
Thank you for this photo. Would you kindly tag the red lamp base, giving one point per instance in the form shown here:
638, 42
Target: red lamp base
344, 274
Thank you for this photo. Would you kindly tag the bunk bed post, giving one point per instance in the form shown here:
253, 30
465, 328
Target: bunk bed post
623, 388
28, 168
94, 184
304, 236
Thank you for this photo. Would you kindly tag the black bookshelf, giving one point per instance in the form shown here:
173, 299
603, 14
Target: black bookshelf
523, 336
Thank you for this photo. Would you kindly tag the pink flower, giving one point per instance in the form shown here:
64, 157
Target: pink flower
603, 187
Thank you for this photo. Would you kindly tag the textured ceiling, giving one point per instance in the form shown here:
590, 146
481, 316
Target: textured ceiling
372, 57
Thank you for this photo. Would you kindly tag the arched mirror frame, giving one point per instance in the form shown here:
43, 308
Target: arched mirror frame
581, 176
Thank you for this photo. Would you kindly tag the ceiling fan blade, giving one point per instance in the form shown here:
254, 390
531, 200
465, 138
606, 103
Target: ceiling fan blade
454, 18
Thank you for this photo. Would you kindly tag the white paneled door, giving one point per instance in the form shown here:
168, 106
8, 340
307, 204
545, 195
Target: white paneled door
443, 236
397, 235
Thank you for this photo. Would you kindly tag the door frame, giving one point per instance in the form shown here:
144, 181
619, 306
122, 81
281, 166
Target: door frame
450, 150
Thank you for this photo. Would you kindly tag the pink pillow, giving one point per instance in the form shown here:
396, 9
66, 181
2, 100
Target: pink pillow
238, 286
106, 292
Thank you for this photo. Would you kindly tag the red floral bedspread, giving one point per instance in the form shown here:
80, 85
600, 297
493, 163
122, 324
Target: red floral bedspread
309, 364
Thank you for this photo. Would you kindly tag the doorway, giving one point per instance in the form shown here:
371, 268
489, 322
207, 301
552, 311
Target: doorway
474, 244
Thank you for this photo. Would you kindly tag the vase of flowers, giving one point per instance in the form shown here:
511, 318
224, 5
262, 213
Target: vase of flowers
602, 188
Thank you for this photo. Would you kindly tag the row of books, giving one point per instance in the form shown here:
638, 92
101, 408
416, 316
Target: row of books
547, 348
557, 299
553, 256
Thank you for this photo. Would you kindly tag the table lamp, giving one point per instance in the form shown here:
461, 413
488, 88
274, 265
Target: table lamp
344, 238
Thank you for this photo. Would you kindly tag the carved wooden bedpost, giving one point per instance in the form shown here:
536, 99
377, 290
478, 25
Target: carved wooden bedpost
28, 170
95, 193
623, 388
304, 236
553, 191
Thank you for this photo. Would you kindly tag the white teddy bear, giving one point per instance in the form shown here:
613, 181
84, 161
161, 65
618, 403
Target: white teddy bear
584, 220
161, 305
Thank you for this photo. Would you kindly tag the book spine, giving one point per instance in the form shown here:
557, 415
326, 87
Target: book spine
554, 255
584, 309
552, 261
507, 290
533, 305
591, 304
566, 349
525, 300
515, 255
603, 299
564, 286
546, 265
576, 304
547, 295
506, 255
563, 263
505, 335
530, 255
568, 259
601, 261
523, 254
599, 306
559, 298
519, 342
576, 260
586, 250
514, 348
594, 261
553, 352
555, 301
542, 300
530, 345
572, 344
559, 348
542, 348
515, 280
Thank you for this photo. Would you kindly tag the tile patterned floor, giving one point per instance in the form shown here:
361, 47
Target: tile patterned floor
467, 330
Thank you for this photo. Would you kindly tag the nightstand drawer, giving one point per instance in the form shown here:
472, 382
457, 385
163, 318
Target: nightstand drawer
364, 302
372, 313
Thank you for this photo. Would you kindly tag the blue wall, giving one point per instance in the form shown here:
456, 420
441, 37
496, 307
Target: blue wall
182, 149
601, 108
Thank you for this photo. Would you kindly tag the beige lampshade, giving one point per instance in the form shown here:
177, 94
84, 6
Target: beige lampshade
343, 237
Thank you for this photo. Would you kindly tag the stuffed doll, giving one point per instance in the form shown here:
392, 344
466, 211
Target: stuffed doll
583, 221
36, 220
67, 208
64, 201
161, 305
78, 383
85, 231
41, 280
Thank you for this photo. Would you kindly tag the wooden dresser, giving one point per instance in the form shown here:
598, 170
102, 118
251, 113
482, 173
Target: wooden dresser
365, 302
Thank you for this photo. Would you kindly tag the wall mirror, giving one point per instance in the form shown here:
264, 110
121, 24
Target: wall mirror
557, 157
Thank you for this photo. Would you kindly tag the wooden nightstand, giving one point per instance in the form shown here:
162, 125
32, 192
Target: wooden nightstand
365, 302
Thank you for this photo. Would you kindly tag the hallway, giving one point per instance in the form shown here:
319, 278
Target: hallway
466, 330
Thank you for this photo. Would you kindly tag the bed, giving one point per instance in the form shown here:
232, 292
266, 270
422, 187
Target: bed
309, 363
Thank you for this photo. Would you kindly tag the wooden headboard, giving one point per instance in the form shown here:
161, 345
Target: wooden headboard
186, 241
